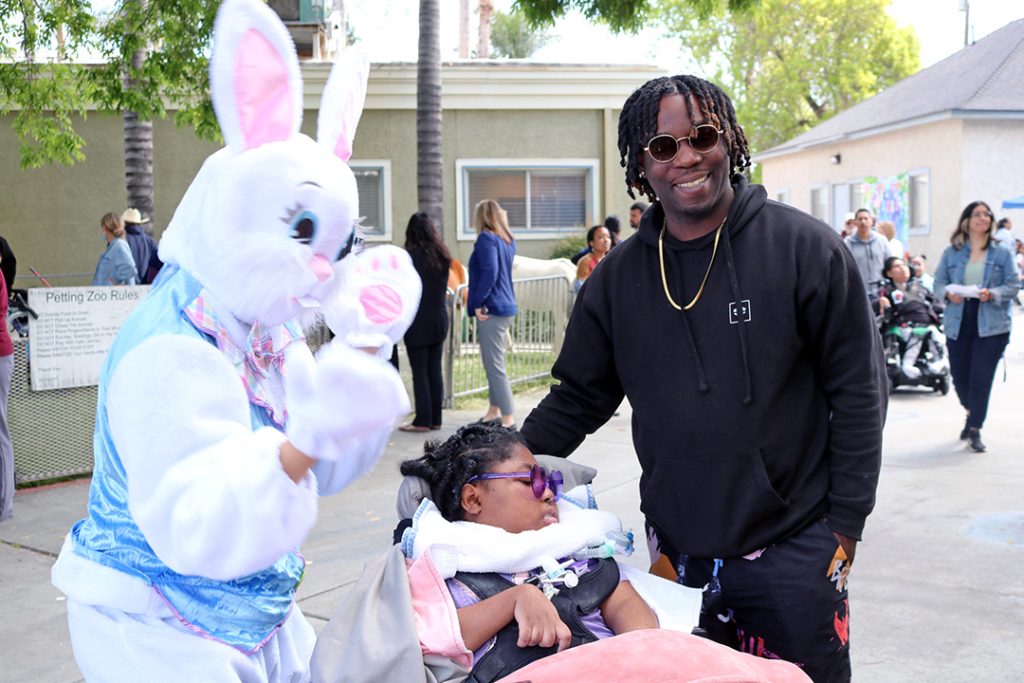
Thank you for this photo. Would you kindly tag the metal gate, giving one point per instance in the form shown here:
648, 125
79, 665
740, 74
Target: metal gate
543, 305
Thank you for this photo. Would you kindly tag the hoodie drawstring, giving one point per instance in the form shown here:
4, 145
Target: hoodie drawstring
702, 382
741, 326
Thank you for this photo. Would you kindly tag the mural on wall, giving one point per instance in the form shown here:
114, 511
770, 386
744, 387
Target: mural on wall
889, 199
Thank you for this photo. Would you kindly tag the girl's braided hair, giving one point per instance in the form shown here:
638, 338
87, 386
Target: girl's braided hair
446, 466
638, 123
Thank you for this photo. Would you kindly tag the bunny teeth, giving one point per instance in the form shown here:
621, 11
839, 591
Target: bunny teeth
307, 302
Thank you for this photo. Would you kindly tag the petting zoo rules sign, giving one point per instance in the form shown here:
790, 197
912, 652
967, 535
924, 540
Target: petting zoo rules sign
74, 331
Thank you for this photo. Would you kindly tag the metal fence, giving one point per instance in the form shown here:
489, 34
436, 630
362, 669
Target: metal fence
51, 431
535, 337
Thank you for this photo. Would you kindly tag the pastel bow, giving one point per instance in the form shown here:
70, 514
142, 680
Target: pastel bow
260, 361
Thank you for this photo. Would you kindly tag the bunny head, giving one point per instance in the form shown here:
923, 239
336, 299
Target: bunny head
267, 217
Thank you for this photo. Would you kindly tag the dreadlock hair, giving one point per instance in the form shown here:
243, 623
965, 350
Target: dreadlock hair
446, 466
638, 123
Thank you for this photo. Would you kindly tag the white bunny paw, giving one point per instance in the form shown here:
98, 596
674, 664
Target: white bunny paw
338, 398
377, 301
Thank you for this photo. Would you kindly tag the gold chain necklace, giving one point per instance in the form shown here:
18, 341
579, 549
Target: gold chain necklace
661, 262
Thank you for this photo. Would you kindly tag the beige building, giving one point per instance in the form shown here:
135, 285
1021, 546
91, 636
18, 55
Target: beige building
920, 151
539, 138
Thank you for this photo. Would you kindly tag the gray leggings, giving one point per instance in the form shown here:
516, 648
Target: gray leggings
493, 334
6, 452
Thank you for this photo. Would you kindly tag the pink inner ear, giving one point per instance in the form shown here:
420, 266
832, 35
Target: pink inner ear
262, 92
343, 147
343, 150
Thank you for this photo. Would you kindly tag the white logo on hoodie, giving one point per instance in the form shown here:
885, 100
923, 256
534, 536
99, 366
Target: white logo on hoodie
739, 312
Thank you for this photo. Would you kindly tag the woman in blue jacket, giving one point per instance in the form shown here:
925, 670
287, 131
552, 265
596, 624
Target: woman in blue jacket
977, 322
116, 265
492, 301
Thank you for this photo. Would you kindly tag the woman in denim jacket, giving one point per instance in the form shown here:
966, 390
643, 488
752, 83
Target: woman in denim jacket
116, 265
977, 327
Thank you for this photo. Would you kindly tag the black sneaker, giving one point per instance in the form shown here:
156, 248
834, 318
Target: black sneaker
974, 436
965, 432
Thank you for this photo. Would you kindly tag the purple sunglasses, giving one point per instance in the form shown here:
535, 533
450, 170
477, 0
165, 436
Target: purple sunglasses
539, 479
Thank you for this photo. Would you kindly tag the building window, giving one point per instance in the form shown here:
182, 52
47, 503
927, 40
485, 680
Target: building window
782, 196
819, 203
543, 198
373, 180
920, 220
856, 196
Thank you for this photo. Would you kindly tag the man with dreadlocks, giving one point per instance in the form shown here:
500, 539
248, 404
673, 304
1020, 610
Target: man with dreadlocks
758, 469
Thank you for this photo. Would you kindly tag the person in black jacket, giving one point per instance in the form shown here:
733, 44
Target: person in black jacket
144, 248
8, 264
738, 329
424, 340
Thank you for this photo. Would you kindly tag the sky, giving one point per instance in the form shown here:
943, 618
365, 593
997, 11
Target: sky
388, 30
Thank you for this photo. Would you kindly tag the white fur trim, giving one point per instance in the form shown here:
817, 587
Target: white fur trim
110, 645
207, 491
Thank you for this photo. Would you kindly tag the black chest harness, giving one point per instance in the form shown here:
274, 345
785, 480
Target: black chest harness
505, 656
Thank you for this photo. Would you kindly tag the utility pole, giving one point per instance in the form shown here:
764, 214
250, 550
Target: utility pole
965, 7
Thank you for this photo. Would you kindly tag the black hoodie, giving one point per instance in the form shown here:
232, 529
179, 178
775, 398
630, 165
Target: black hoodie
754, 413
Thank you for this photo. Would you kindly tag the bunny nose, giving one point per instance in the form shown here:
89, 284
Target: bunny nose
321, 267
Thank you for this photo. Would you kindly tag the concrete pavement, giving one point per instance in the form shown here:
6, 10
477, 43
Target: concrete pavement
937, 591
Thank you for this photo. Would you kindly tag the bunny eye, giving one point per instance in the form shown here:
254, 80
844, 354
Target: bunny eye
303, 227
346, 249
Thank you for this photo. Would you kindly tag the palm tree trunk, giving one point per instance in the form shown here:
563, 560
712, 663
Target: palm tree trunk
429, 181
483, 47
138, 153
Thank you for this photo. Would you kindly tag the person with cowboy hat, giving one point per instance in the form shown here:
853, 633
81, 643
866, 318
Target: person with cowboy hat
144, 249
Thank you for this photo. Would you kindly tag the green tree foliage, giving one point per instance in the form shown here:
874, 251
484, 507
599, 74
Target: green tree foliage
513, 37
789, 65
41, 91
176, 36
44, 81
619, 15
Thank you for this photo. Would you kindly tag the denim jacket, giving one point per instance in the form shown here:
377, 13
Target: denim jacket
116, 265
1000, 278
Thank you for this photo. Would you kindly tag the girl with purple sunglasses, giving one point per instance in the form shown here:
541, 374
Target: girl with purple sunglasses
485, 475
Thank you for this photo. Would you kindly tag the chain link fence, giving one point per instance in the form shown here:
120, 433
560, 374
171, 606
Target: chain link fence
51, 431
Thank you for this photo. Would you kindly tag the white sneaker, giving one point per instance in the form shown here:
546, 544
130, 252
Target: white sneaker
910, 372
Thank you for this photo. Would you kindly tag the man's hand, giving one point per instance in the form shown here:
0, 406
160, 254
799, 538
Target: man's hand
955, 298
538, 620
848, 544
984, 295
481, 314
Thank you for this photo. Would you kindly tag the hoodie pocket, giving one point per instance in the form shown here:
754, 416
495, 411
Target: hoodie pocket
711, 506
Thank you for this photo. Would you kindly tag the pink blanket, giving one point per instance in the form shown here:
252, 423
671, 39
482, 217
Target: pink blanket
656, 655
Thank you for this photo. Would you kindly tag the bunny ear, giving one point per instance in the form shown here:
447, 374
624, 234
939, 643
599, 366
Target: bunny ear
254, 75
342, 102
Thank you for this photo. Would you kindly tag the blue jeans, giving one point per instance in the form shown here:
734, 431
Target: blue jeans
972, 362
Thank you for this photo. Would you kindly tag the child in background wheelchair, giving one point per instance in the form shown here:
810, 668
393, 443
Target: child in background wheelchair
915, 348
